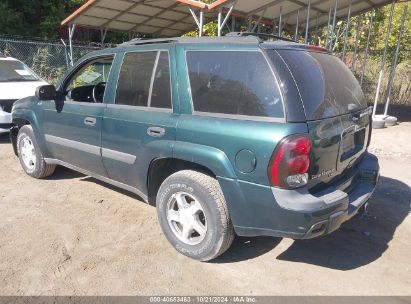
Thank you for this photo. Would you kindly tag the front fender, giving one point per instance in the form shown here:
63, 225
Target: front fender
24, 116
23, 113
209, 157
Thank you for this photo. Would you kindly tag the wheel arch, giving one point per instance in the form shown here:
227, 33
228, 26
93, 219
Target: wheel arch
161, 168
14, 131
188, 156
24, 116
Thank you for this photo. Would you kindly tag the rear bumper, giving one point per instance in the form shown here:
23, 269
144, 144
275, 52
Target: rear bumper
300, 215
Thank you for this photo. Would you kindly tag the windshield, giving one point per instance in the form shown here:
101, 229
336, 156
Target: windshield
11, 70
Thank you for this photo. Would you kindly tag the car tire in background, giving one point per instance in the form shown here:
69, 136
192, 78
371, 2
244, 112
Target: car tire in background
193, 215
30, 156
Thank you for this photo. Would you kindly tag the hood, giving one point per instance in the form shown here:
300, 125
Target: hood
19, 89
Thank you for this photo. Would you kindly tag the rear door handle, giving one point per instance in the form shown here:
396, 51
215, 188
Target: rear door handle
156, 131
90, 121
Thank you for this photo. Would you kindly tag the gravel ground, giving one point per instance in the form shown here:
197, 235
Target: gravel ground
73, 235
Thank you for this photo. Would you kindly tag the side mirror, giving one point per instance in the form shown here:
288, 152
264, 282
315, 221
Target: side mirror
46, 92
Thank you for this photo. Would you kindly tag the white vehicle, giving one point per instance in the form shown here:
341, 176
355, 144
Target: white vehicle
16, 81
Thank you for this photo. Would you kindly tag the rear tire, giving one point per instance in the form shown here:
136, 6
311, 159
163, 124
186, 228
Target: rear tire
193, 215
30, 156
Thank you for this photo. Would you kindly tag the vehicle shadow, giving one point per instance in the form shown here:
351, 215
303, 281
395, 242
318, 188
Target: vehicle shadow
246, 248
62, 173
358, 242
361, 240
4, 138
111, 187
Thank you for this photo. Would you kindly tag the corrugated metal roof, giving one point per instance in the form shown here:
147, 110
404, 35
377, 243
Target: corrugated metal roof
170, 18
270, 9
166, 18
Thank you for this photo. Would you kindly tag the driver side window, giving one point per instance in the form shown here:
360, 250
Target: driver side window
88, 83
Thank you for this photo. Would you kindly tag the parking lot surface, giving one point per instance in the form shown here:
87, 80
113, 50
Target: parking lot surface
73, 235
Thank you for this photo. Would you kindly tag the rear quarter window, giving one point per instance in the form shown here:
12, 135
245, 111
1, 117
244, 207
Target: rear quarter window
327, 86
233, 83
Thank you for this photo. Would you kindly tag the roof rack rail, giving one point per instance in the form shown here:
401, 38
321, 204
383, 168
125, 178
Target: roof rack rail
140, 41
259, 35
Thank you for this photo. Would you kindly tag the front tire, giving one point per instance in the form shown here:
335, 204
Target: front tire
30, 156
193, 215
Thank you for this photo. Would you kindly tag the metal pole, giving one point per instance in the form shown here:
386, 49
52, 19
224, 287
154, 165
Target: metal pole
333, 27
280, 22
198, 22
222, 21
220, 13
201, 23
103, 33
346, 33
328, 27
258, 21
233, 24
296, 25
377, 94
357, 35
65, 53
71, 34
316, 29
307, 25
364, 61
250, 23
274, 25
394, 65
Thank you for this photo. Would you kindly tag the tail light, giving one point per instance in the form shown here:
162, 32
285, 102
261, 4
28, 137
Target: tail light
290, 162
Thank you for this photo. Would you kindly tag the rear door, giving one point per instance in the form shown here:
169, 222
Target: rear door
139, 123
336, 111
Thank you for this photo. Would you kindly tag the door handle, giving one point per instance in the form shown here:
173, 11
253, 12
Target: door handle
156, 131
90, 121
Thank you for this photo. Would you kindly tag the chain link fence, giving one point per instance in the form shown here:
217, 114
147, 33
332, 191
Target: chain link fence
401, 84
49, 59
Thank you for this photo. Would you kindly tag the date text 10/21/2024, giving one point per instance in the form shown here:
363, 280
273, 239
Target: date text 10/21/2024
203, 299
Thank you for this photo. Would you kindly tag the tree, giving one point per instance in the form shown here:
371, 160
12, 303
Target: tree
39, 18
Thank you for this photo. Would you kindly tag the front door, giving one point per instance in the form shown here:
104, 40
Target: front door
73, 127
139, 124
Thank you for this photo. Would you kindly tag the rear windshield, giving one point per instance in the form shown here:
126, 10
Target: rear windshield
11, 70
233, 83
327, 86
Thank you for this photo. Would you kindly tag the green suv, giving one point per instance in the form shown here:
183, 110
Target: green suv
225, 136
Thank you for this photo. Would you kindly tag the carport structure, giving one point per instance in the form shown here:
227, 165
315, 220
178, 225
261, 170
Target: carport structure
301, 19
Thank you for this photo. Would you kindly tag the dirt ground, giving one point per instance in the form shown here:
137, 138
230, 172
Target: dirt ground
73, 235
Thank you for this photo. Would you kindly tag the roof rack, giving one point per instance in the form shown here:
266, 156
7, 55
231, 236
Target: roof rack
224, 39
259, 35
141, 41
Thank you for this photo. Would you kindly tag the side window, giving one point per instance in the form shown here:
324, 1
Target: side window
145, 80
233, 82
88, 83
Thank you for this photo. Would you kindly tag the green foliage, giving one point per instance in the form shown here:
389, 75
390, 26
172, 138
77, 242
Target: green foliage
37, 18
210, 29
379, 29
42, 65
